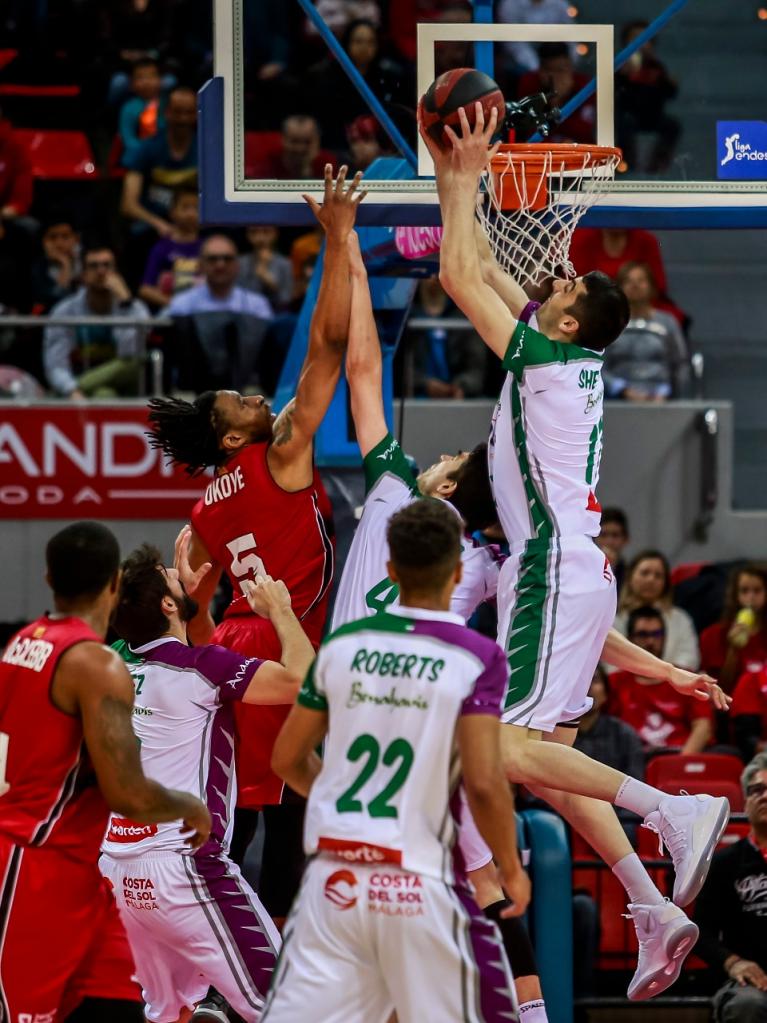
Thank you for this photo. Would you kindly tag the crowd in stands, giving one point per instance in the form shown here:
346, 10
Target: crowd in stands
123, 78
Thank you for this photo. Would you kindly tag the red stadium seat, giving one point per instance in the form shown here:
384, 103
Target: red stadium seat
687, 571
715, 773
59, 155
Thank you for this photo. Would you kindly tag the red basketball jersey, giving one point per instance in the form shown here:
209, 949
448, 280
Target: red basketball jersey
53, 799
249, 524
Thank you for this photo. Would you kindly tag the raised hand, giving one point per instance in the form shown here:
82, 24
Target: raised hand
701, 687
191, 580
471, 150
338, 211
267, 596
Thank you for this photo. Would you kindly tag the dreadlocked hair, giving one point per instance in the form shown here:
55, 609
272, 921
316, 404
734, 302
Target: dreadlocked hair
187, 431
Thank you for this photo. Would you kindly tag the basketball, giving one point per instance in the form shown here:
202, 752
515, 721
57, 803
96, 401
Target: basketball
461, 87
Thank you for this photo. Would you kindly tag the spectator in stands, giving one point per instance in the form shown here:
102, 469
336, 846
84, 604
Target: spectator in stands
524, 57
447, 362
219, 291
613, 539
749, 712
220, 327
339, 14
663, 718
366, 143
160, 164
648, 582
141, 115
96, 361
557, 74
643, 87
299, 156
305, 247
731, 911
738, 642
649, 361
611, 741
174, 262
15, 173
56, 273
335, 101
265, 271
609, 249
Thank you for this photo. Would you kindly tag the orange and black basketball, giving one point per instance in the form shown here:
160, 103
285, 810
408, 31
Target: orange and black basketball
461, 87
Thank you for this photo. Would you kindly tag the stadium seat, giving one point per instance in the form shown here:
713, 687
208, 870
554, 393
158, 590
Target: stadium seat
688, 570
718, 774
59, 155
259, 147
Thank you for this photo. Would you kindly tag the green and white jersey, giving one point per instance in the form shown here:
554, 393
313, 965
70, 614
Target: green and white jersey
365, 587
546, 438
394, 686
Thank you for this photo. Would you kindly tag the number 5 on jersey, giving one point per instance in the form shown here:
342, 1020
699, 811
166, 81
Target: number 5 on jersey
244, 564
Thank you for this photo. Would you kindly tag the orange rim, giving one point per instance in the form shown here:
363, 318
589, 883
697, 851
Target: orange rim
564, 155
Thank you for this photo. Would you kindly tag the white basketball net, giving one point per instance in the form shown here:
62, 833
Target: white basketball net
533, 244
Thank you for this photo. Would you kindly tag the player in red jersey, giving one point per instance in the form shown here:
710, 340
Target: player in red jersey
263, 513
66, 703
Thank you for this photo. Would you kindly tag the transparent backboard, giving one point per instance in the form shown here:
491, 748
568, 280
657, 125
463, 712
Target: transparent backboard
686, 110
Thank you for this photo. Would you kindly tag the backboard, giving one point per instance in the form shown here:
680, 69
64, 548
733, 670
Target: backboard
698, 158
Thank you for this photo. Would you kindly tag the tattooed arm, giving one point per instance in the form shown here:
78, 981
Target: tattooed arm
290, 453
92, 683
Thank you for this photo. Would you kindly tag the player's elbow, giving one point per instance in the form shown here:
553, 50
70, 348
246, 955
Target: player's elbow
283, 760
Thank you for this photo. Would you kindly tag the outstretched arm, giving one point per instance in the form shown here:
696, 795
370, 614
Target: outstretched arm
460, 271
622, 653
506, 288
290, 453
363, 358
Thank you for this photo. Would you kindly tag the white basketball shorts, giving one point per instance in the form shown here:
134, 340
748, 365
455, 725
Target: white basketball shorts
193, 922
362, 941
556, 604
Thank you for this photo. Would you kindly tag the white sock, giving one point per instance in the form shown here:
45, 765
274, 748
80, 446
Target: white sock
635, 795
533, 1012
637, 882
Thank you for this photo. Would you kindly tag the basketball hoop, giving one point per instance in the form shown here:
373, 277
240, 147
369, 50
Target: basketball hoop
532, 198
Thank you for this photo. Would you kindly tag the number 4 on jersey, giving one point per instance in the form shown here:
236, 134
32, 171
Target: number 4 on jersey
379, 597
244, 564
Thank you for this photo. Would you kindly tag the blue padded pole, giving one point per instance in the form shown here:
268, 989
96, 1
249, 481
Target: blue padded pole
551, 910
483, 51
649, 33
359, 82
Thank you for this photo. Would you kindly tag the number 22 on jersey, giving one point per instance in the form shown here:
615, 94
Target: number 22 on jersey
245, 564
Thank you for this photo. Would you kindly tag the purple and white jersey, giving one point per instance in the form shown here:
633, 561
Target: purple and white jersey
183, 717
394, 686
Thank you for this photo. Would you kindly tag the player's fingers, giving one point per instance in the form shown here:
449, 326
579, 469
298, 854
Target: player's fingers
358, 199
249, 587
451, 135
341, 180
328, 181
202, 571
314, 206
479, 119
493, 150
355, 183
492, 124
464, 122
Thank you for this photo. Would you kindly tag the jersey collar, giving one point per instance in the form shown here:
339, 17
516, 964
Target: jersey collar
425, 614
155, 643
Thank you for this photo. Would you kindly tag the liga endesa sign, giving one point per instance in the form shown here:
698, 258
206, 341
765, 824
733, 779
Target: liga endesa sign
86, 462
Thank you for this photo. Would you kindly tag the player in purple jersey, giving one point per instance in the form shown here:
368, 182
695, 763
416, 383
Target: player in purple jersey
191, 918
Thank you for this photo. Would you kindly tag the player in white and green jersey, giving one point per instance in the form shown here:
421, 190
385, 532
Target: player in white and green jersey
461, 480
405, 700
557, 595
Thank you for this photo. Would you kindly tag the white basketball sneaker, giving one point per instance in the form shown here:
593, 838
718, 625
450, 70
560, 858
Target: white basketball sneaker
690, 828
665, 936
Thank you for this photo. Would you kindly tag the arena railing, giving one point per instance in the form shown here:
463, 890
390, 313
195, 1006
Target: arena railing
151, 356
